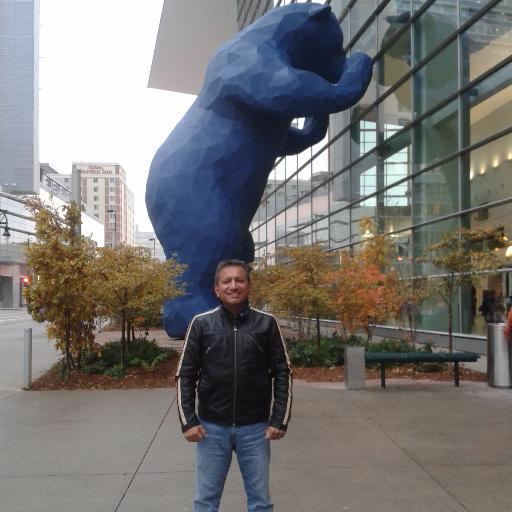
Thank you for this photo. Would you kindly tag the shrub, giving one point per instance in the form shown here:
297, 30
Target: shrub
141, 352
117, 372
330, 352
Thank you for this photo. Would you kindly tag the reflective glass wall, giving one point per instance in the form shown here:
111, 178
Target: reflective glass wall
428, 149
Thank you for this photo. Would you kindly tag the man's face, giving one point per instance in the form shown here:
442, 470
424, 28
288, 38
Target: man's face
232, 288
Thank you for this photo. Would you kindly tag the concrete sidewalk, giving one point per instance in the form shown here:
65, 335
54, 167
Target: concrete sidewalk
412, 447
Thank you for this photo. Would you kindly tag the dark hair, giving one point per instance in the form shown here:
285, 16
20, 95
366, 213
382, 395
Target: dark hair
232, 263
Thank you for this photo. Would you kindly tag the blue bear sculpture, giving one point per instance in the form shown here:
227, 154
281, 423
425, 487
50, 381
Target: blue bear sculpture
207, 179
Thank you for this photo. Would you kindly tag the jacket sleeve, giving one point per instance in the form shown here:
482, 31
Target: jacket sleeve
187, 375
281, 373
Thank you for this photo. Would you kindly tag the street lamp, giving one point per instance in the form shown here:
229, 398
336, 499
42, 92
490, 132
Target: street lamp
5, 223
154, 246
115, 227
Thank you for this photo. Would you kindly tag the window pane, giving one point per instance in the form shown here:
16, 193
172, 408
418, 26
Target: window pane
339, 152
304, 236
436, 24
436, 192
291, 219
363, 134
426, 236
280, 225
394, 209
304, 211
490, 105
367, 41
436, 136
320, 167
320, 201
360, 12
396, 60
340, 191
395, 158
395, 111
339, 229
489, 284
488, 41
291, 191
320, 232
437, 79
392, 19
364, 177
291, 165
359, 212
338, 6
271, 230
281, 170
487, 173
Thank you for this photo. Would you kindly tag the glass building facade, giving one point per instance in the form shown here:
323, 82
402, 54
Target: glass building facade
428, 148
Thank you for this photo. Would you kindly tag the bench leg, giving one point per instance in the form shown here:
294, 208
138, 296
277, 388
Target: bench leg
382, 375
456, 373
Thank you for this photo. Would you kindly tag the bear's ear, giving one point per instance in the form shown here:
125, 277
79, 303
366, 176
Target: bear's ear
319, 12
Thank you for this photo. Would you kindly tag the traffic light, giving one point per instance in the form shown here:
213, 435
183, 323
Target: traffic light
25, 280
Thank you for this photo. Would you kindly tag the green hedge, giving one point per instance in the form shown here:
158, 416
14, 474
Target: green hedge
331, 350
141, 352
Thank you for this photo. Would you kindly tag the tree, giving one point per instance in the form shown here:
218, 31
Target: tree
299, 287
364, 294
460, 256
61, 265
366, 285
133, 284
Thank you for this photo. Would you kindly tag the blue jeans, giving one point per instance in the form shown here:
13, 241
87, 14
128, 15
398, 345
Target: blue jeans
214, 458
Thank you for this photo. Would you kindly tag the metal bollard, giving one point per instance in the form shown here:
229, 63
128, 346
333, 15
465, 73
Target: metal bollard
27, 366
499, 357
354, 368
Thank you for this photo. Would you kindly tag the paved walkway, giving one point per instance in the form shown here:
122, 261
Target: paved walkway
413, 447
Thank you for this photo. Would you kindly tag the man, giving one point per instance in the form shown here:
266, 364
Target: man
236, 359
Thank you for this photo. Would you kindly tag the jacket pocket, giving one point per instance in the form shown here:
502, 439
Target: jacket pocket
256, 344
215, 343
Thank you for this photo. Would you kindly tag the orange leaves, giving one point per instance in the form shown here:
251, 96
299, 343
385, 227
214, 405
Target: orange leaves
364, 294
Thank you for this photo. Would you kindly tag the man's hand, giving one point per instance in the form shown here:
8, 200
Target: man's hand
273, 434
195, 434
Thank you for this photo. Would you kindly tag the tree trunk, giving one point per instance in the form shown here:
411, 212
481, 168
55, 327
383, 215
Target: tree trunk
450, 327
133, 332
318, 333
123, 339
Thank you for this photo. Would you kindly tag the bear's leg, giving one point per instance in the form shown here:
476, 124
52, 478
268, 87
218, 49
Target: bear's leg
247, 246
179, 312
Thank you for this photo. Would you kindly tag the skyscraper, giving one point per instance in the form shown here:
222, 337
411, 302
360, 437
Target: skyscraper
19, 92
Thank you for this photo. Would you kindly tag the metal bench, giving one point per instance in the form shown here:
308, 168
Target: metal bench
419, 357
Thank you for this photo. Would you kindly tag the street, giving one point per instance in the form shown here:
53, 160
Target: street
12, 327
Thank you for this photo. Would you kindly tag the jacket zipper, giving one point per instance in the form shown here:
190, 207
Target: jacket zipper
234, 397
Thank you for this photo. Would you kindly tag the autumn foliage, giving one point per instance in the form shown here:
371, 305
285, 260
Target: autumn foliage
364, 294
63, 280
74, 282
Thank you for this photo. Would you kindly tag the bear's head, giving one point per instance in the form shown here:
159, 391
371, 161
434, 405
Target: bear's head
310, 35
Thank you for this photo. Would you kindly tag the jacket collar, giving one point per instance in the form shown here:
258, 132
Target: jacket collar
240, 317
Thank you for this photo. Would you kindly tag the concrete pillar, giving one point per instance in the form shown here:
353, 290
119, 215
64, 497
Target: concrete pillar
354, 368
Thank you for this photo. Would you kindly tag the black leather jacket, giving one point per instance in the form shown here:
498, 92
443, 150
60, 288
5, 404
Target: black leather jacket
234, 363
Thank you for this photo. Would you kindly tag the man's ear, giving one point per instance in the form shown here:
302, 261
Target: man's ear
319, 12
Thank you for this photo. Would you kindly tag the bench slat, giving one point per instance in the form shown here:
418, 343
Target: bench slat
416, 357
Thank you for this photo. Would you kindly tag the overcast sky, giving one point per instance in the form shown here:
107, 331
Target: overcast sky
94, 101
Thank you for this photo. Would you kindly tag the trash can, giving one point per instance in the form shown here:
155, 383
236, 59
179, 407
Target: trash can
499, 357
